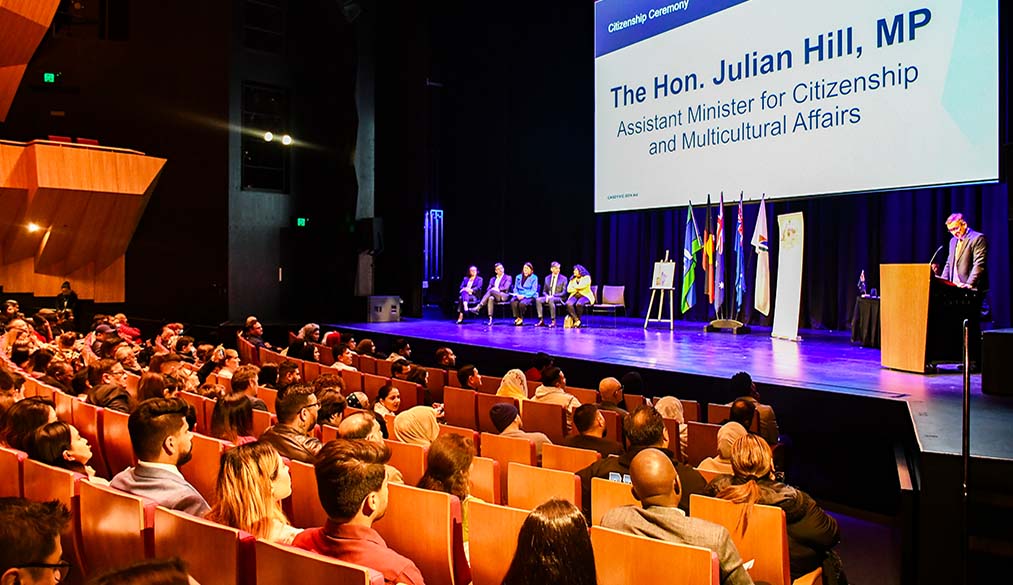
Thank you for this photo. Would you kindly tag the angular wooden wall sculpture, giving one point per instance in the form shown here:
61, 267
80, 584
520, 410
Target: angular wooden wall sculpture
22, 26
86, 202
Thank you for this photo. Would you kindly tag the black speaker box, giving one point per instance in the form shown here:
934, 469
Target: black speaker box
996, 365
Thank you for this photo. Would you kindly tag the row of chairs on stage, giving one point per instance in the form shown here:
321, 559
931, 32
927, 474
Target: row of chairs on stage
611, 300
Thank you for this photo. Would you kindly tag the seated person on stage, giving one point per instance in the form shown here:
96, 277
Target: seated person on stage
656, 487
471, 287
497, 291
552, 295
162, 442
352, 485
744, 388
727, 435
508, 423
812, 533
553, 391
525, 291
592, 432
468, 377
611, 392
965, 260
579, 289
297, 408
645, 429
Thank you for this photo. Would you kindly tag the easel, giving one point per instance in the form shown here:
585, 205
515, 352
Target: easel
664, 281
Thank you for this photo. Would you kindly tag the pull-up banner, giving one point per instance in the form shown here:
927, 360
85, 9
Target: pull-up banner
791, 231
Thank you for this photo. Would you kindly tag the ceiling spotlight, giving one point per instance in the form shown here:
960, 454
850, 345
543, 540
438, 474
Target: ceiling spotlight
268, 136
286, 139
33, 227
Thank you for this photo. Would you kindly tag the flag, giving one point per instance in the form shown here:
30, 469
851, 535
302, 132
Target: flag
691, 246
708, 254
740, 265
761, 298
719, 258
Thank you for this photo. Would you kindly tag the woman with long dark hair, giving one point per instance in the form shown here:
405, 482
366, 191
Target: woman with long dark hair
553, 546
232, 419
448, 470
61, 445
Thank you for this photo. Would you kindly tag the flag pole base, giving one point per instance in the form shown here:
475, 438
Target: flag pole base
719, 325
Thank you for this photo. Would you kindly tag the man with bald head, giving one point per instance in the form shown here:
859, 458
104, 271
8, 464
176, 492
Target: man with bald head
611, 391
362, 425
656, 486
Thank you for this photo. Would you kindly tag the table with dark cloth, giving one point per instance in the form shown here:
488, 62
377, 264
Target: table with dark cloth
865, 322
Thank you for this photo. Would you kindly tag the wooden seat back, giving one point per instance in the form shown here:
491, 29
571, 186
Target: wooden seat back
606, 495
508, 450
703, 442
214, 554
277, 564
690, 410
116, 527
438, 378
633, 401
409, 459
306, 511
531, 486
12, 463
674, 444
270, 397
492, 540
545, 418
412, 394
622, 558
721, 412
352, 380
483, 403
614, 424
584, 395
202, 470
371, 384
64, 404
485, 480
459, 407
567, 458
116, 446
383, 368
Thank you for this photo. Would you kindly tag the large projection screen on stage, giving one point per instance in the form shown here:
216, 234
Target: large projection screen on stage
791, 97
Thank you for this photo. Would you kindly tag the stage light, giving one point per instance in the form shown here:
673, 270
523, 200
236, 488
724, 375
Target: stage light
33, 227
268, 136
286, 139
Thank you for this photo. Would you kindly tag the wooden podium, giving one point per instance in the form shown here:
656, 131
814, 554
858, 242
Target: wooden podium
922, 317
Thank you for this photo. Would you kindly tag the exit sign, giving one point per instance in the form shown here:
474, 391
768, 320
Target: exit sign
48, 77
301, 221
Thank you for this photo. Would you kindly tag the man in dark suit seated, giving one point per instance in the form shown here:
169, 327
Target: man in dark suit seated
471, 286
552, 295
162, 442
590, 425
498, 291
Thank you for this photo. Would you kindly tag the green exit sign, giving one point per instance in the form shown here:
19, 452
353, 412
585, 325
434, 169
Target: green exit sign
48, 77
301, 221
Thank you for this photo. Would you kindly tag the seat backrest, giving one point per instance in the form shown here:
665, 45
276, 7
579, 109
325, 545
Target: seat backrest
614, 424
707, 474
621, 558
132, 380
765, 539
261, 422
721, 412
12, 464
215, 554
532, 387
311, 370
88, 421
702, 442
425, 526
530, 486
367, 364
371, 385
613, 295
438, 378
64, 406
412, 394
464, 432
202, 470
584, 395
690, 410
459, 407
119, 454
544, 418
567, 458
606, 495
409, 459
490, 384
352, 380
328, 433
674, 444
116, 527
484, 402
209, 411
507, 450
44, 482
492, 540
383, 368
197, 402
278, 564
269, 396
326, 355
485, 480
306, 509
41, 389
633, 401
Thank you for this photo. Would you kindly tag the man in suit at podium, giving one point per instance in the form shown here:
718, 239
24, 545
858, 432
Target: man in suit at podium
965, 263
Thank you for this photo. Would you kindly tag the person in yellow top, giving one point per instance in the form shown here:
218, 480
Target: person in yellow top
581, 295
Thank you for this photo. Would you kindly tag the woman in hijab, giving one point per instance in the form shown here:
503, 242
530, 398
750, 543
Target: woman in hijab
417, 426
514, 385
670, 407
727, 435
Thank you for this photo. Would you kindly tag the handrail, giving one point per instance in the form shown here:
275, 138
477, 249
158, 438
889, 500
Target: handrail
72, 145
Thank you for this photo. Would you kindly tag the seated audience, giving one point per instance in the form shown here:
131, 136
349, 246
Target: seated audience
148, 572
553, 391
400, 368
417, 426
288, 373
539, 362
632, 383
245, 382
268, 376
358, 400
254, 333
366, 347
401, 350
448, 469
812, 533
513, 385
332, 408
152, 385
656, 487
592, 433
232, 420
229, 366
352, 485
468, 377
162, 442
109, 386
742, 412
418, 375
727, 435
553, 546
210, 390
61, 445
362, 425
23, 418
9, 394
508, 423
388, 400
445, 358
297, 408
30, 549
743, 387
252, 482
343, 359
645, 429
611, 392
328, 383
127, 358
671, 407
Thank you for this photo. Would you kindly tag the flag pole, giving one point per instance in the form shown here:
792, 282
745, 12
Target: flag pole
725, 315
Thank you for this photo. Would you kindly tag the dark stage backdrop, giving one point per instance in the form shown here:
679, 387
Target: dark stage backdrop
516, 172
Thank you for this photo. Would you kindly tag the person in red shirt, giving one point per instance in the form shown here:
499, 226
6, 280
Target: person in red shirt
352, 484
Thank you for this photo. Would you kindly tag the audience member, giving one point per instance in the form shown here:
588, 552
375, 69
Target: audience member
162, 442
362, 425
232, 419
553, 546
388, 400
513, 385
448, 469
468, 377
343, 359
288, 373
352, 485
148, 572
553, 391
399, 369
727, 435
418, 375
417, 426
254, 333
743, 387
61, 445
110, 391
742, 411
152, 385
539, 362
297, 408
644, 429
24, 418
366, 347
656, 487
127, 358
671, 407
445, 358
358, 400
401, 350
245, 382
812, 533
252, 482
611, 392
632, 383
590, 423
508, 423
268, 376
332, 408
30, 549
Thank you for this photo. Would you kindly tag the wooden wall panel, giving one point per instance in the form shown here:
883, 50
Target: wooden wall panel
22, 26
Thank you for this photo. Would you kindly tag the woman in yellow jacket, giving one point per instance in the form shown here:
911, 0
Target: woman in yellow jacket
581, 295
